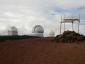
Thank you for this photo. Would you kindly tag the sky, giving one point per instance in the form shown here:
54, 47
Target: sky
25, 14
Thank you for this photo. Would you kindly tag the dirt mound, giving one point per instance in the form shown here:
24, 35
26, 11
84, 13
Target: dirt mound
69, 36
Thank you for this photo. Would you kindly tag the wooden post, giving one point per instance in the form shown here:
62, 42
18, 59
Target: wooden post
78, 27
64, 23
72, 25
78, 23
61, 25
64, 26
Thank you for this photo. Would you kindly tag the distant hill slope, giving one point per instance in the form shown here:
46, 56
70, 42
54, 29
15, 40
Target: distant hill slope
4, 38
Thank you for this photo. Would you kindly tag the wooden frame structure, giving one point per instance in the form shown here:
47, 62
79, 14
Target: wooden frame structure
71, 20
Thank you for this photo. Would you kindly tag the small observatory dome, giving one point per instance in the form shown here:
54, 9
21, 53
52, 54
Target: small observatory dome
12, 31
51, 34
38, 31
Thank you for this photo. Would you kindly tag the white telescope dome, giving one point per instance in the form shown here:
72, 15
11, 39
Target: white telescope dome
12, 31
38, 29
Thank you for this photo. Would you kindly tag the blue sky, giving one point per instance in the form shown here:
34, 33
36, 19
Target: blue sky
25, 14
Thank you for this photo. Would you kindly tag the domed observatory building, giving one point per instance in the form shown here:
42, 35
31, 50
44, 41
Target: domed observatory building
12, 31
38, 30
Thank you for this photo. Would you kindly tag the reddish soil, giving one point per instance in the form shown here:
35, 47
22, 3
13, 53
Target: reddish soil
41, 51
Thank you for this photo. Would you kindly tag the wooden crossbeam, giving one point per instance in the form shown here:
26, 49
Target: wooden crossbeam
70, 20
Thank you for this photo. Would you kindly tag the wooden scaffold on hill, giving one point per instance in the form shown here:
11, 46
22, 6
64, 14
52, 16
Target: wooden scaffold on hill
70, 20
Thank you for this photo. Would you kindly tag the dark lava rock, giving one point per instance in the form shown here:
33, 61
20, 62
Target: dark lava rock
69, 36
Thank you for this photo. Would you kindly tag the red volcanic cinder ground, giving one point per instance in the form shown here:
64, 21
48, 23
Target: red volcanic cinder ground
41, 51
